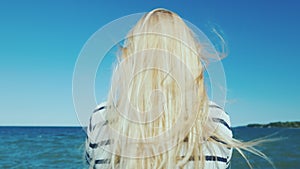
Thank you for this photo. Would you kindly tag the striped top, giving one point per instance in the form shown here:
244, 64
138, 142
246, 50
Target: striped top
218, 158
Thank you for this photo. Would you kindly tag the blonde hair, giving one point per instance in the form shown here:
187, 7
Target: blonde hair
158, 88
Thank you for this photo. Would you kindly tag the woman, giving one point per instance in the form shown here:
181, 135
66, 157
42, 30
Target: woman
157, 114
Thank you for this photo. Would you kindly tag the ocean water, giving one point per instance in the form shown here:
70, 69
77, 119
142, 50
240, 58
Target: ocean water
41, 147
63, 147
284, 153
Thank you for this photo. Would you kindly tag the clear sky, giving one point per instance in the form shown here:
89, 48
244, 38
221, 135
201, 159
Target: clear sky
40, 42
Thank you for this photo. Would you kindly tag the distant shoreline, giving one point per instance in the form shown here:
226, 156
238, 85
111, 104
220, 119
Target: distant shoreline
293, 124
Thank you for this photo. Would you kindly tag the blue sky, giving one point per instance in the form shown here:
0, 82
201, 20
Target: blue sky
40, 42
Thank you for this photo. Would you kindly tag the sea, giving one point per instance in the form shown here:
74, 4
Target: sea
63, 148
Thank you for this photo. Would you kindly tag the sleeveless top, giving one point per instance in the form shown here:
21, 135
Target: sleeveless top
219, 158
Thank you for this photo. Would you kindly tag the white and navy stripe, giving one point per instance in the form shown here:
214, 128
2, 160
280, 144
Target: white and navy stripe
218, 158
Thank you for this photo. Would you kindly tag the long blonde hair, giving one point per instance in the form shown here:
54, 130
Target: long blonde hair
158, 105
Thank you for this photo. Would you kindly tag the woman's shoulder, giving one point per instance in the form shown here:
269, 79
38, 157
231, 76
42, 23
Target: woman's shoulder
219, 116
216, 110
100, 107
98, 116
99, 110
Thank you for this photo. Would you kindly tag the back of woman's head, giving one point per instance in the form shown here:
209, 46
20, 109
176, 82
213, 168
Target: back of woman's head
164, 30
